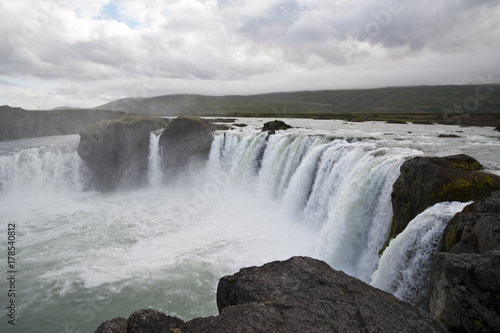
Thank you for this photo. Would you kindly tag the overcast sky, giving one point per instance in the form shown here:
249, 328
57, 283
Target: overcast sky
89, 52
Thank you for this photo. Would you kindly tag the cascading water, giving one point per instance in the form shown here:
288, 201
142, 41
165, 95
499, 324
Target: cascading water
404, 266
155, 171
86, 257
42, 168
341, 189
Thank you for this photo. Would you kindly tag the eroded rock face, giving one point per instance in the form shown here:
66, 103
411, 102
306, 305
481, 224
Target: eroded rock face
476, 229
465, 280
425, 181
465, 294
301, 295
116, 151
186, 141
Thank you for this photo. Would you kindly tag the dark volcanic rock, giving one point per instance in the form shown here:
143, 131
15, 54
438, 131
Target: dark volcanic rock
116, 325
448, 136
475, 229
185, 141
142, 321
307, 295
425, 181
303, 295
151, 321
465, 292
16, 123
117, 151
275, 125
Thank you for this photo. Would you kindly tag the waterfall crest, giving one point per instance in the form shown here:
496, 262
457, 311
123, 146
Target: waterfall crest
341, 189
43, 168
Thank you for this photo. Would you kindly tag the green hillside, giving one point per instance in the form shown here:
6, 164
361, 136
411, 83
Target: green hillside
393, 100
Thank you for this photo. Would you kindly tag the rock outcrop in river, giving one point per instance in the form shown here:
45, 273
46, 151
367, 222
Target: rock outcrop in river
275, 125
117, 151
297, 295
425, 181
185, 142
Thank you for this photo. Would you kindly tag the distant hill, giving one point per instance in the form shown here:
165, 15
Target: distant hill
396, 100
18, 123
66, 108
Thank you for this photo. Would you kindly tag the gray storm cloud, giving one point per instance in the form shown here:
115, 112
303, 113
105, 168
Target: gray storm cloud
86, 53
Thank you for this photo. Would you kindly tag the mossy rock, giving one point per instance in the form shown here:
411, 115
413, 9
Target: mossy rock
134, 120
425, 181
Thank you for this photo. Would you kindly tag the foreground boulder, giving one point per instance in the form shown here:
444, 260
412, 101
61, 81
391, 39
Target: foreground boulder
465, 278
425, 181
117, 151
186, 141
297, 295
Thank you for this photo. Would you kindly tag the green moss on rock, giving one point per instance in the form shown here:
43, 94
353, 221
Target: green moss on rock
425, 181
464, 188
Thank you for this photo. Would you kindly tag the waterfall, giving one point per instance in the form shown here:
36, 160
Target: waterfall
340, 189
155, 172
44, 168
404, 267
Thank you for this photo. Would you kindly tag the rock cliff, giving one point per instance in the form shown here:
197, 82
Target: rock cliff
116, 151
465, 275
185, 142
425, 181
16, 123
297, 295
465, 278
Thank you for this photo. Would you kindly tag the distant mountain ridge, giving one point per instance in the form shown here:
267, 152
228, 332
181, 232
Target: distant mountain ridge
419, 99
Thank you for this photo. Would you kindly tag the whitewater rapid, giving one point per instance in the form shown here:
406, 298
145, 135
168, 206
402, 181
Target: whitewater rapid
86, 257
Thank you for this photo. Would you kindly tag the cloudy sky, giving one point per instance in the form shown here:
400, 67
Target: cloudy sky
89, 52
